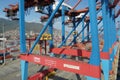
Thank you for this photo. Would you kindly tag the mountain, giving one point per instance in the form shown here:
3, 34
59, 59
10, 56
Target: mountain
12, 25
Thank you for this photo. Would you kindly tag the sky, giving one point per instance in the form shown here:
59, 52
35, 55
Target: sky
35, 17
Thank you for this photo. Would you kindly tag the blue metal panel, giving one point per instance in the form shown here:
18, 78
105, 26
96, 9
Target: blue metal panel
105, 68
109, 29
83, 31
114, 26
105, 24
24, 70
24, 64
95, 55
112, 37
63, 24
88, 33
105, 63
46, 25
50, 28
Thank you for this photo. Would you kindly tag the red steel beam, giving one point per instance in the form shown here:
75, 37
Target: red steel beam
40, 75
78, 67
76, 12
78, 52
6, 57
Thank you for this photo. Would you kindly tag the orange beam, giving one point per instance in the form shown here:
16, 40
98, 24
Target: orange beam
28, 4
76, 12
83, 10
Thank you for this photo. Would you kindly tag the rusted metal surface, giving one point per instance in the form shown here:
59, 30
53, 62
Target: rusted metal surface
28, 4
40, 75
6, 57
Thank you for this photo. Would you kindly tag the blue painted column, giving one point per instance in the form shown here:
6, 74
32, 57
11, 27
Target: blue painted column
50, 28
114, 25
95, 55
111, 37
63, 25
110, 27
88, 32
83, 31
24, 64
105, 63
63, 29
74, 27
118, 35
113, 28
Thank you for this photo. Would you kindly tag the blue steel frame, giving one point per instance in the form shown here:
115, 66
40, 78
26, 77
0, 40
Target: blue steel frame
83, 34
63, 24
109, 38
50, 28
88, 32
95, 55
82, 31
105, 63
24, 64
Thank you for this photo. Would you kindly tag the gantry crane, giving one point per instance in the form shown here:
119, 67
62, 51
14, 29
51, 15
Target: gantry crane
100, 55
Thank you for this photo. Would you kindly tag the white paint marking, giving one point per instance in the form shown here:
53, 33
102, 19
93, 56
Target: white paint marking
71, 66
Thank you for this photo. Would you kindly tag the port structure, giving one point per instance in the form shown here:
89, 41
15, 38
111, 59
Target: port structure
100, 55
